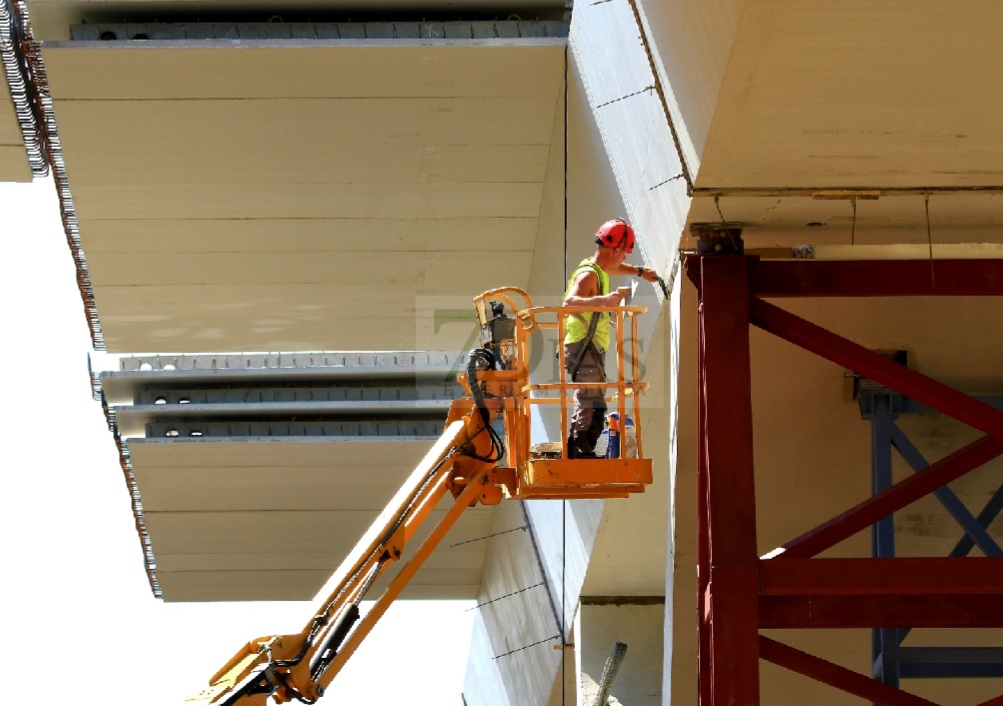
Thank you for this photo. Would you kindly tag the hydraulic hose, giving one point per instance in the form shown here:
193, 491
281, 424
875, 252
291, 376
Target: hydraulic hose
487, 359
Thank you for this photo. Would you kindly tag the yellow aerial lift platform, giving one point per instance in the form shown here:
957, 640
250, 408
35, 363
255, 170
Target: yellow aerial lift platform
470, 462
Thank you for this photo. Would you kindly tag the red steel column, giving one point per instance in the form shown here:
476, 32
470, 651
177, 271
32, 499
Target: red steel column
729, 619
703, 547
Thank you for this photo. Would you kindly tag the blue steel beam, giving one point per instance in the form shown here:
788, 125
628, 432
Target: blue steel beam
892, 662
884, 641
950, 662
985, 518
973, 528
908, 406
882, 531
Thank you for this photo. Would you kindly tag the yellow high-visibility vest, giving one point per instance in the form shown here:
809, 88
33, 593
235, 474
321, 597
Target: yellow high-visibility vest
576, 326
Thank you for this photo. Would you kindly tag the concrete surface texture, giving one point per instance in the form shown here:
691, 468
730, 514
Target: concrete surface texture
234, 197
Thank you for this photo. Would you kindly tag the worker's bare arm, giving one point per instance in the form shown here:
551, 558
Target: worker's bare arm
645, 273
585, 292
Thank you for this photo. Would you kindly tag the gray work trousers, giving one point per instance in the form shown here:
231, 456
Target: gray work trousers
589, 413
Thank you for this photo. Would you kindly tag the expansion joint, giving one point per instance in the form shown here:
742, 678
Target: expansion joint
642, 29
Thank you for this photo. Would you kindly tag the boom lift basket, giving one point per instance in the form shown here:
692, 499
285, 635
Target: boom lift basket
544, 470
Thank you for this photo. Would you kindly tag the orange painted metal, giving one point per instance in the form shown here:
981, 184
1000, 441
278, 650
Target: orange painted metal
623, 390
562, 473
433, 479
466, 499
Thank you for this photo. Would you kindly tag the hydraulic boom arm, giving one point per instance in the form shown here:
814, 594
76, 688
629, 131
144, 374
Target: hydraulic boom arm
300, 666
466, 463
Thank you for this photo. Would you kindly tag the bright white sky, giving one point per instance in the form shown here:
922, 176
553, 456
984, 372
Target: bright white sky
79, 621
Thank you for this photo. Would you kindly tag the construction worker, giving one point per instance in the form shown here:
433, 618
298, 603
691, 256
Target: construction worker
587, 335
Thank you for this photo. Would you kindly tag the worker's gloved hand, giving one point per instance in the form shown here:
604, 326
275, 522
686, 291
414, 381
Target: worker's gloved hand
648, 274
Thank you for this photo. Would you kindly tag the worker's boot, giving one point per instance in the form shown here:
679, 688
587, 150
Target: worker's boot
596, 427
579, 447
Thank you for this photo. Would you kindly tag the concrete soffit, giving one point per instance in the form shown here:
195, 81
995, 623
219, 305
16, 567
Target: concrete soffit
274, 392
224, 35
431, 143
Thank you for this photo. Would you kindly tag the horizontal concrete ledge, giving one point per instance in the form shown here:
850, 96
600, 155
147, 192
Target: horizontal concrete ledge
120, 387
309, 362
490, 32
623, 600
138, 45
863, 193
318, 372
257, 370
392, 429
355, 440
403, 393
347, 408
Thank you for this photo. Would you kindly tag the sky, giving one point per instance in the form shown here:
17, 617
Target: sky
80, 622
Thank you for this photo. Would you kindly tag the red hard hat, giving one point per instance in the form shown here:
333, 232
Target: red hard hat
614, 233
